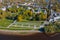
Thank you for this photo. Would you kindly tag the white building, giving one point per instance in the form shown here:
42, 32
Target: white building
4, 8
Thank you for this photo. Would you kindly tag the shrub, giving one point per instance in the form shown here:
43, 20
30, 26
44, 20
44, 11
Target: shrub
49, 29
20, 18
57, 27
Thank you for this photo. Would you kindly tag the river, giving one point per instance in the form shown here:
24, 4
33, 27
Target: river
37, 36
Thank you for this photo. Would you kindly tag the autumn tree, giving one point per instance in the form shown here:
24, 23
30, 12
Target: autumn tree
20, 18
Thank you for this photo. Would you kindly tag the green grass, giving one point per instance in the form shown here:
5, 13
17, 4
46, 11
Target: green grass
31, 23
5, 22
49, 29
52, 28
18, 28
26, 24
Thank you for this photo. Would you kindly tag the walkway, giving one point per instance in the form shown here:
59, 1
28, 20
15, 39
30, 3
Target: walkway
11, 24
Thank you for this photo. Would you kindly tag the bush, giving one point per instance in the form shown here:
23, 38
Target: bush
19, 18
57, 27
49, 29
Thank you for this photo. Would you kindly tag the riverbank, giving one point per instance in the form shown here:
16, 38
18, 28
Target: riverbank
18, 32
16, 35
36, 36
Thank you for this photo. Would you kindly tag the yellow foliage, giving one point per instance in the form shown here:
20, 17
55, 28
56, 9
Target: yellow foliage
2, 14
20, 18
44, 16
58, 10
49, 29
31, 13
28, 11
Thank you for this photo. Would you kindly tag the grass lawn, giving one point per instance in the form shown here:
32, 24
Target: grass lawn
31, 23
17, 28
27, 25
5, 22
52, 28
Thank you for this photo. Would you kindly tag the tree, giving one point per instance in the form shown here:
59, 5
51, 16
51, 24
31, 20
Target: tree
42, 16
20, 18
2, 14
50, 29
37, 17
